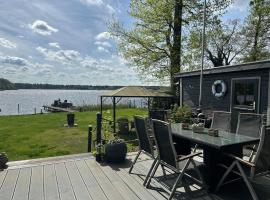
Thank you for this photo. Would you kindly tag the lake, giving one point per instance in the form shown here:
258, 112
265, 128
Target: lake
28, 100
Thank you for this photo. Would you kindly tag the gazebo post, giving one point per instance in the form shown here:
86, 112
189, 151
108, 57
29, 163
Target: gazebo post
101, 105
114, 124
148, 105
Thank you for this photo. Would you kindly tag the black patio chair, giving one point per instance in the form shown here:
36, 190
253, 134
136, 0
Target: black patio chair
249, 124
258, 167
167, 155
145, 141
221, 121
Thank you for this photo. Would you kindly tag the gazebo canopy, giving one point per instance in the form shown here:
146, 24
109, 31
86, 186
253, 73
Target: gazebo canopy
137, 91
133, 92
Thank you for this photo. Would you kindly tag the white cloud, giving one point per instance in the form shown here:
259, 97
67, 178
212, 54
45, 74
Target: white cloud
110, 9
12, 60
89, 63
10, 70
104, 44
99, 3
55, 45
102, 49
92, 2
7, 44
240, 5
61, 56
42, 28
103, 36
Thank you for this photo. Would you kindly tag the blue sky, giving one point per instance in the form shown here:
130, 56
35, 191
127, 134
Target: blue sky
66, 42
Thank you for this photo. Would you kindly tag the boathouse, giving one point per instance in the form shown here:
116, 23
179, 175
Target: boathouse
236, 88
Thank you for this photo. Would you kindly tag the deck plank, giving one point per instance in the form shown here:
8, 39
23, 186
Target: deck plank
123, 188
110, 191
2, 177
22, 188
50, 183
92, 185
77, 182
137, 186
65, 188
36, 187
190, 191
9, 184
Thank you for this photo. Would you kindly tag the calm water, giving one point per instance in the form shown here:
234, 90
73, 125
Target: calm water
28, 100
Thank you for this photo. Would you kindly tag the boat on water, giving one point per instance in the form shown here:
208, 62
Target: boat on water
60, 104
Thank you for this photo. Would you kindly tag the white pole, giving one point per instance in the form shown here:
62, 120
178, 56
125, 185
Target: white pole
203, 49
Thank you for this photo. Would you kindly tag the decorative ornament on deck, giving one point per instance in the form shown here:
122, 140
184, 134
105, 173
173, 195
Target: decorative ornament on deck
219, 89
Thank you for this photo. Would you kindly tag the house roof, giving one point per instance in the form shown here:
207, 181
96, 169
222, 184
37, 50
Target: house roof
229, 68
137, 91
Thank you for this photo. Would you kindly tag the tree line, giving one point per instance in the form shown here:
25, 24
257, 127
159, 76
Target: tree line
166, 35
64, 87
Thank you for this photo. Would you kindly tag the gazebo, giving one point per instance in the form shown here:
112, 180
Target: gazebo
133, 92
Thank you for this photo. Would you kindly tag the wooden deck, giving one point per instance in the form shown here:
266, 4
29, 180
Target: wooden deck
79, 177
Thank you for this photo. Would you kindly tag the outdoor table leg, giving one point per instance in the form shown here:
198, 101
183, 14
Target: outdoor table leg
182, 146
212, 157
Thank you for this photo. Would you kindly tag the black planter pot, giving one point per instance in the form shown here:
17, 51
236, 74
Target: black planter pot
115, 151
3, 161
70, 119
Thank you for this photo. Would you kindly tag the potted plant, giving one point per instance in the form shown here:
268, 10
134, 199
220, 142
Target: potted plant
115, 150
181, 115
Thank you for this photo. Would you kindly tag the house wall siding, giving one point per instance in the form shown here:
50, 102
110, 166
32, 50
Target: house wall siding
191, 89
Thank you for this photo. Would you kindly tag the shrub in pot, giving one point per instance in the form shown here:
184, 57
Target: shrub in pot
181, 115
115, 151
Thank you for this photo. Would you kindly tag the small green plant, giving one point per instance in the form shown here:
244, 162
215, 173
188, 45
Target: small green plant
181, 114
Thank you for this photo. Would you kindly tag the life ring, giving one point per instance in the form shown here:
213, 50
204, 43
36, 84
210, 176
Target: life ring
223, 88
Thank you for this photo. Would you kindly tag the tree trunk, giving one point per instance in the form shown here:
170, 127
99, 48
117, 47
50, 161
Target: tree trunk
176, 47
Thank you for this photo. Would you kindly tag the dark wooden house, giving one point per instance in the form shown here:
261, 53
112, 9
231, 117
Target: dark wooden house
235, 88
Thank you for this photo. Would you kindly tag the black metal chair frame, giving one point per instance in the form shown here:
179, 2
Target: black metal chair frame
158, 161
239, 162
216, 113
148, 140
253, 148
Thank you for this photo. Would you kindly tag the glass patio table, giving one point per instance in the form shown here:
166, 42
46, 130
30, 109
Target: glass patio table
213, 149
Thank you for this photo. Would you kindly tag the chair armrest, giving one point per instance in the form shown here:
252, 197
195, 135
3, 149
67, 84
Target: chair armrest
181, 158
250, 164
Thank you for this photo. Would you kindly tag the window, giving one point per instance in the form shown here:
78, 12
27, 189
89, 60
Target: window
245, 92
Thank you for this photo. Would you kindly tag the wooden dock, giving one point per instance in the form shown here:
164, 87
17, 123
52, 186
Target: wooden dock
80, 177
57, 109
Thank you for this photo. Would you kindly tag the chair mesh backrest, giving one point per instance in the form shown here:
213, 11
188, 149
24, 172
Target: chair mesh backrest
262, 157
249, 124
165, 147
221, 121
145, 143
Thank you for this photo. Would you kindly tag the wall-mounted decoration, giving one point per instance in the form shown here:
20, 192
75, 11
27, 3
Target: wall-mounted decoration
219, 88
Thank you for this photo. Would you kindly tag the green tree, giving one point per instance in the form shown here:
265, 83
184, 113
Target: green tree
223, 44
153, 44
256, 31
6, 84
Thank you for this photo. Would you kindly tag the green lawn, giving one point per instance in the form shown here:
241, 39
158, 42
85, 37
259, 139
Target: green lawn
35, 136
